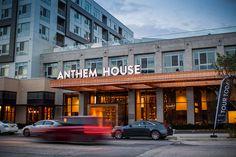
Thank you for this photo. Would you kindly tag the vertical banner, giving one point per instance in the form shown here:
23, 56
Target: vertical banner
223, 99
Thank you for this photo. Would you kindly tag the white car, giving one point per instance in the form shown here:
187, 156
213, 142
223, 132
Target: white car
6, 127
35, 129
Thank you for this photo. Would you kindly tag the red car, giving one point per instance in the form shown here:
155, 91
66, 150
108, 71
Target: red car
78, 129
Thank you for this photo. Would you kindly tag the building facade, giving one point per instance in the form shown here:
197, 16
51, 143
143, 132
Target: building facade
28, 28
177, 84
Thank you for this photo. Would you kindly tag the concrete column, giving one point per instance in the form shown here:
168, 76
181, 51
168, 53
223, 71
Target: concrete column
81, 104
190, 105
82, 63
130, 56
60, 66
159, 105
158, 59
188, 58
131, 106
220, 49
105, 61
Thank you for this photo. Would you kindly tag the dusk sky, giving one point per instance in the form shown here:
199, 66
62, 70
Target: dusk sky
150, 18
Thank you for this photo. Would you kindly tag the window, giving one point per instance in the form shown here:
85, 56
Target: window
146, 62
51, 70
145, 105
94, 64
48, 2
87, 35
96, 13
24, 10
79, 2
71, 105
21, 70
22, 48
6, 13
4, 33
86, 21
173, 61
44, 14
77, 30
44, 32
87, 6
4, 49
203, 59
118, 61
4, 70
230, 50
23, 29
71, 65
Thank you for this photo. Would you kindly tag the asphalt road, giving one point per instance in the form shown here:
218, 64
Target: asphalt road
18, 146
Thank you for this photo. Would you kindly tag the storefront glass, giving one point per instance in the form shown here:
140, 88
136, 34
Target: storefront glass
111, 106
36, 113
175, 106
205, 101
71, 107
9, 113
33, 114
232, 106
146, 105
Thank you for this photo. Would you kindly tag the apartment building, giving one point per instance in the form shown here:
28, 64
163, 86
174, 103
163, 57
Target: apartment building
29, 27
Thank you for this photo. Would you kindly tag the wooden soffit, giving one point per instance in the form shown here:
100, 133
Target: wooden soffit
140, 81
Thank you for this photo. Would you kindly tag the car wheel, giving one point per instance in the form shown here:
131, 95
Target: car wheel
26, 132
118, 134
155, 135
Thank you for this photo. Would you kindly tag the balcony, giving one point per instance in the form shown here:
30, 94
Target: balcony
61, 28
61, 12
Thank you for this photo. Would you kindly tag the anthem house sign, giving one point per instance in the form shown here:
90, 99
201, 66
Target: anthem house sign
107, 71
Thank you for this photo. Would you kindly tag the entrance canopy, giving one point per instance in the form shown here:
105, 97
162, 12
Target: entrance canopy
140, 81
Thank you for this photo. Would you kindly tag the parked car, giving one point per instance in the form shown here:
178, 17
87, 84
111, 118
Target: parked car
78, 129
153, 129
7, 127
36, 128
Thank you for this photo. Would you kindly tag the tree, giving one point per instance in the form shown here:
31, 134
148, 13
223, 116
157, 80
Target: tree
226, 64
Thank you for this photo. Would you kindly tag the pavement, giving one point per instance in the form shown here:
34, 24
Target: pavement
201, 137
189, 135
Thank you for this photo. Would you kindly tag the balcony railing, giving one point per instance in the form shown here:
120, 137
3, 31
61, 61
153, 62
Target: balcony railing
60, 28
61, 12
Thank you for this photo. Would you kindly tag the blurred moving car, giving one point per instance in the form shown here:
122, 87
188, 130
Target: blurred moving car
78, 129
153, 129
36, 128
7, 127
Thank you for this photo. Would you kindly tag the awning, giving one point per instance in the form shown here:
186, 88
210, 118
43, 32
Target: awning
140, 81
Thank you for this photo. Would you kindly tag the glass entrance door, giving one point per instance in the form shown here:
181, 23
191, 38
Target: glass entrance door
145, 105
108, 111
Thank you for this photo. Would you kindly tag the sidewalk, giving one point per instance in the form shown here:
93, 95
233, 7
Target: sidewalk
200, 137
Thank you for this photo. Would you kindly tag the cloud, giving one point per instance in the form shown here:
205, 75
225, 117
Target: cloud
152, 17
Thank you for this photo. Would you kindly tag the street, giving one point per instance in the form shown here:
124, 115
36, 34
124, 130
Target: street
19, 146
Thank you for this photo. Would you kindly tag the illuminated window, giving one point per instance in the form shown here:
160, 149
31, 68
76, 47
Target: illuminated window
181, 100
145, 105
71, 105
9, 113
231, 116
